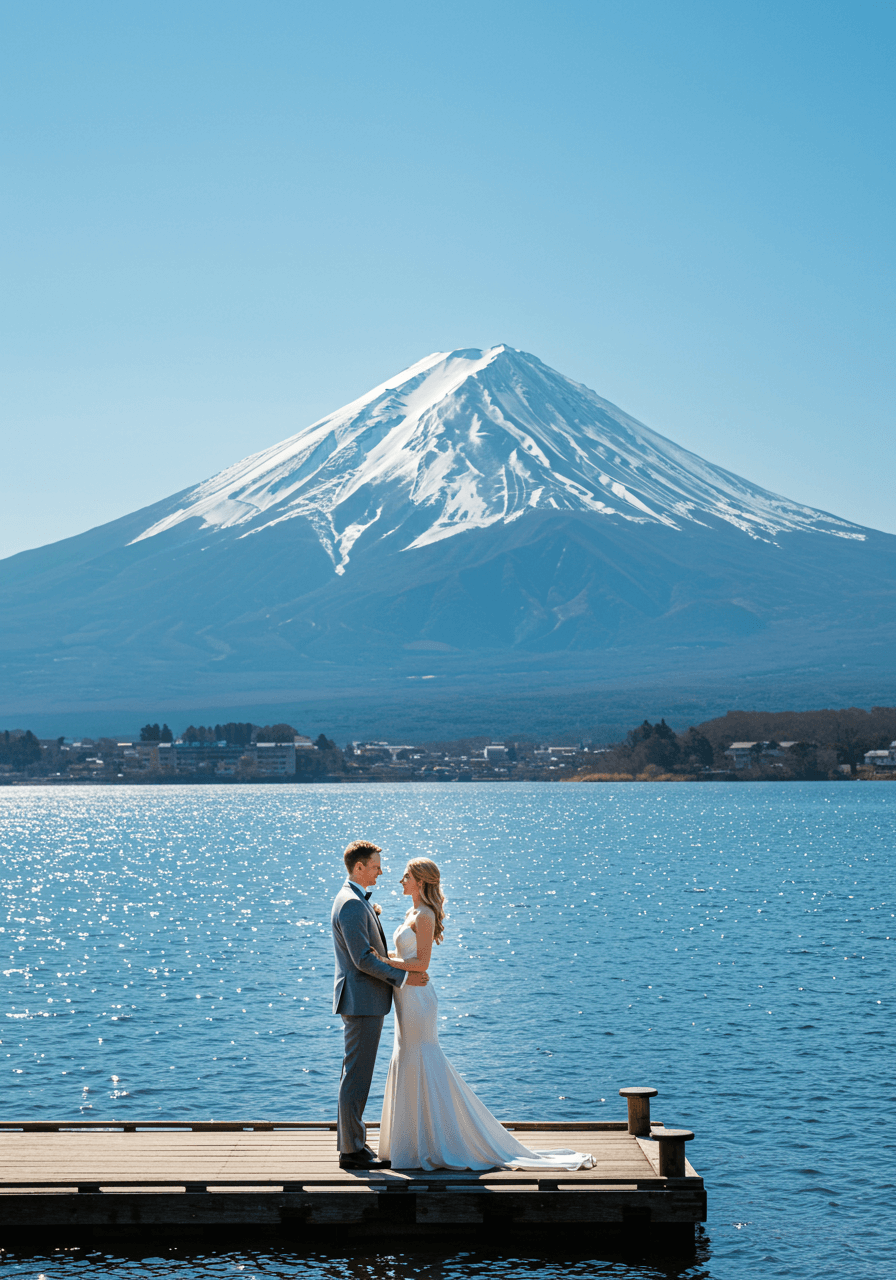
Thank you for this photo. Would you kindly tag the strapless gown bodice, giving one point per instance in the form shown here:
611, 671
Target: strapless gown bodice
416, 1008
404, 940
432, 1119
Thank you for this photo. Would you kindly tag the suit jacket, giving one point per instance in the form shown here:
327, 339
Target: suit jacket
364, 980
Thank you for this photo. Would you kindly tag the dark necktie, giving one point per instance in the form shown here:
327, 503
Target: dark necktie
367, 896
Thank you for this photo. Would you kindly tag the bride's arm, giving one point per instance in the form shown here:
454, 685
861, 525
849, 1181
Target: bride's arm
425, 928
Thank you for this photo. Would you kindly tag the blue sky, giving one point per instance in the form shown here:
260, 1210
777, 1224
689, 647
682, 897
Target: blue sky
223, 220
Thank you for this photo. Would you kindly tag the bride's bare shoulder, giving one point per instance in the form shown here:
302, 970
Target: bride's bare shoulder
422, 912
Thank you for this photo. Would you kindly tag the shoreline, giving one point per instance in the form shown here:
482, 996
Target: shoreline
372, 782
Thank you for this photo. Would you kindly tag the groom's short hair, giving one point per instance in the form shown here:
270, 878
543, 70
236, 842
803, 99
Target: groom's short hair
359, 851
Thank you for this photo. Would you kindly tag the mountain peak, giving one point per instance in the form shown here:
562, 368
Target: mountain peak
469, 438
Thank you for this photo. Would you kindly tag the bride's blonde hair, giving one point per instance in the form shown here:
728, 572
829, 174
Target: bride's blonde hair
426, 873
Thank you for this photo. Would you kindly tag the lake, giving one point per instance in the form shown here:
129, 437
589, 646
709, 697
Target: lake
167, 955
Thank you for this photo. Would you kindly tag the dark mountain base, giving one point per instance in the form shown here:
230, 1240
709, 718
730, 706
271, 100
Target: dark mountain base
591, 714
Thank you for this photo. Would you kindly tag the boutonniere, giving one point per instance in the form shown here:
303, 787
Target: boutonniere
377, 908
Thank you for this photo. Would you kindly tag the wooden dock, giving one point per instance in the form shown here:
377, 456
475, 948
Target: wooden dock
284, 1177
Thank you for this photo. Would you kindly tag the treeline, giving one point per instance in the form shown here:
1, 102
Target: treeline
238, 735
19, 749
233, 733
655, 749
152, 733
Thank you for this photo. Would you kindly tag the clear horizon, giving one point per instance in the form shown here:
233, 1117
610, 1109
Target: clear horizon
222, 224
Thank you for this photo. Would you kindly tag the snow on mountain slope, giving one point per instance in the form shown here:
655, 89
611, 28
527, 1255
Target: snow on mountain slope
470, 438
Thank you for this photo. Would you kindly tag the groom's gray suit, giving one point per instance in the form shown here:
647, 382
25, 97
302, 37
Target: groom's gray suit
363, 996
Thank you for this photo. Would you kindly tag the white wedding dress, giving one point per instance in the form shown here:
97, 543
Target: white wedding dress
431, 1118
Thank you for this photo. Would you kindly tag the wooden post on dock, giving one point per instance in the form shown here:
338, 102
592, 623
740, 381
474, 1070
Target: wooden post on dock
672, 1161
638, 1110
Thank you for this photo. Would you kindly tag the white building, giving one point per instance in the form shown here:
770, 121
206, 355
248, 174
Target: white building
745, 754
882, 759
273, 759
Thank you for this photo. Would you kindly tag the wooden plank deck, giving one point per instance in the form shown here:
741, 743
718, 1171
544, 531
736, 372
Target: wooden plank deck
286, 1175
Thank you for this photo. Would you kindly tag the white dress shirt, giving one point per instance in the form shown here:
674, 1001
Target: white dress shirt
365, 891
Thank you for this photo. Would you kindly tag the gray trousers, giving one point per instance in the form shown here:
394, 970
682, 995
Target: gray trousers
362, 1038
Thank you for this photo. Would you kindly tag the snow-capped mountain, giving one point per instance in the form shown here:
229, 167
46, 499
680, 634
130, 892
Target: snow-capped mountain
468, 439
479, 522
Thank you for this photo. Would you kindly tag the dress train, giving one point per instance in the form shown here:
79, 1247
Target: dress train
432, 1119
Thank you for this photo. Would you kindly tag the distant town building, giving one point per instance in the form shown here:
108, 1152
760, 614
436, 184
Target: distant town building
881, 759
136, 755
495, 753
382, 750
269, 759
275, 759
741, 754
745, 754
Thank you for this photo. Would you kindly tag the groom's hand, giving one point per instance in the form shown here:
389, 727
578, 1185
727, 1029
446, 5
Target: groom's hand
417, 979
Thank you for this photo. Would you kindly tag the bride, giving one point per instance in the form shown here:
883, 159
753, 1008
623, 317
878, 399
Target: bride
431, 1118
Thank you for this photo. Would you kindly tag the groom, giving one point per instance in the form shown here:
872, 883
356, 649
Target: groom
362, 995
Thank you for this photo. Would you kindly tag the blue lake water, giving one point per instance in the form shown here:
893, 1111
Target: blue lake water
167, 955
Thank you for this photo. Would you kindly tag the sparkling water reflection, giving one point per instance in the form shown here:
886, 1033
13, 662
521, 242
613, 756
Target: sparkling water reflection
169, 956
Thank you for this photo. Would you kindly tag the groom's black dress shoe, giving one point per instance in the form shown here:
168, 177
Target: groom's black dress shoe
363, 1159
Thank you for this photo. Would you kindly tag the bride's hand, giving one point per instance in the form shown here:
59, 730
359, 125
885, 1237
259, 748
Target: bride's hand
393, 955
